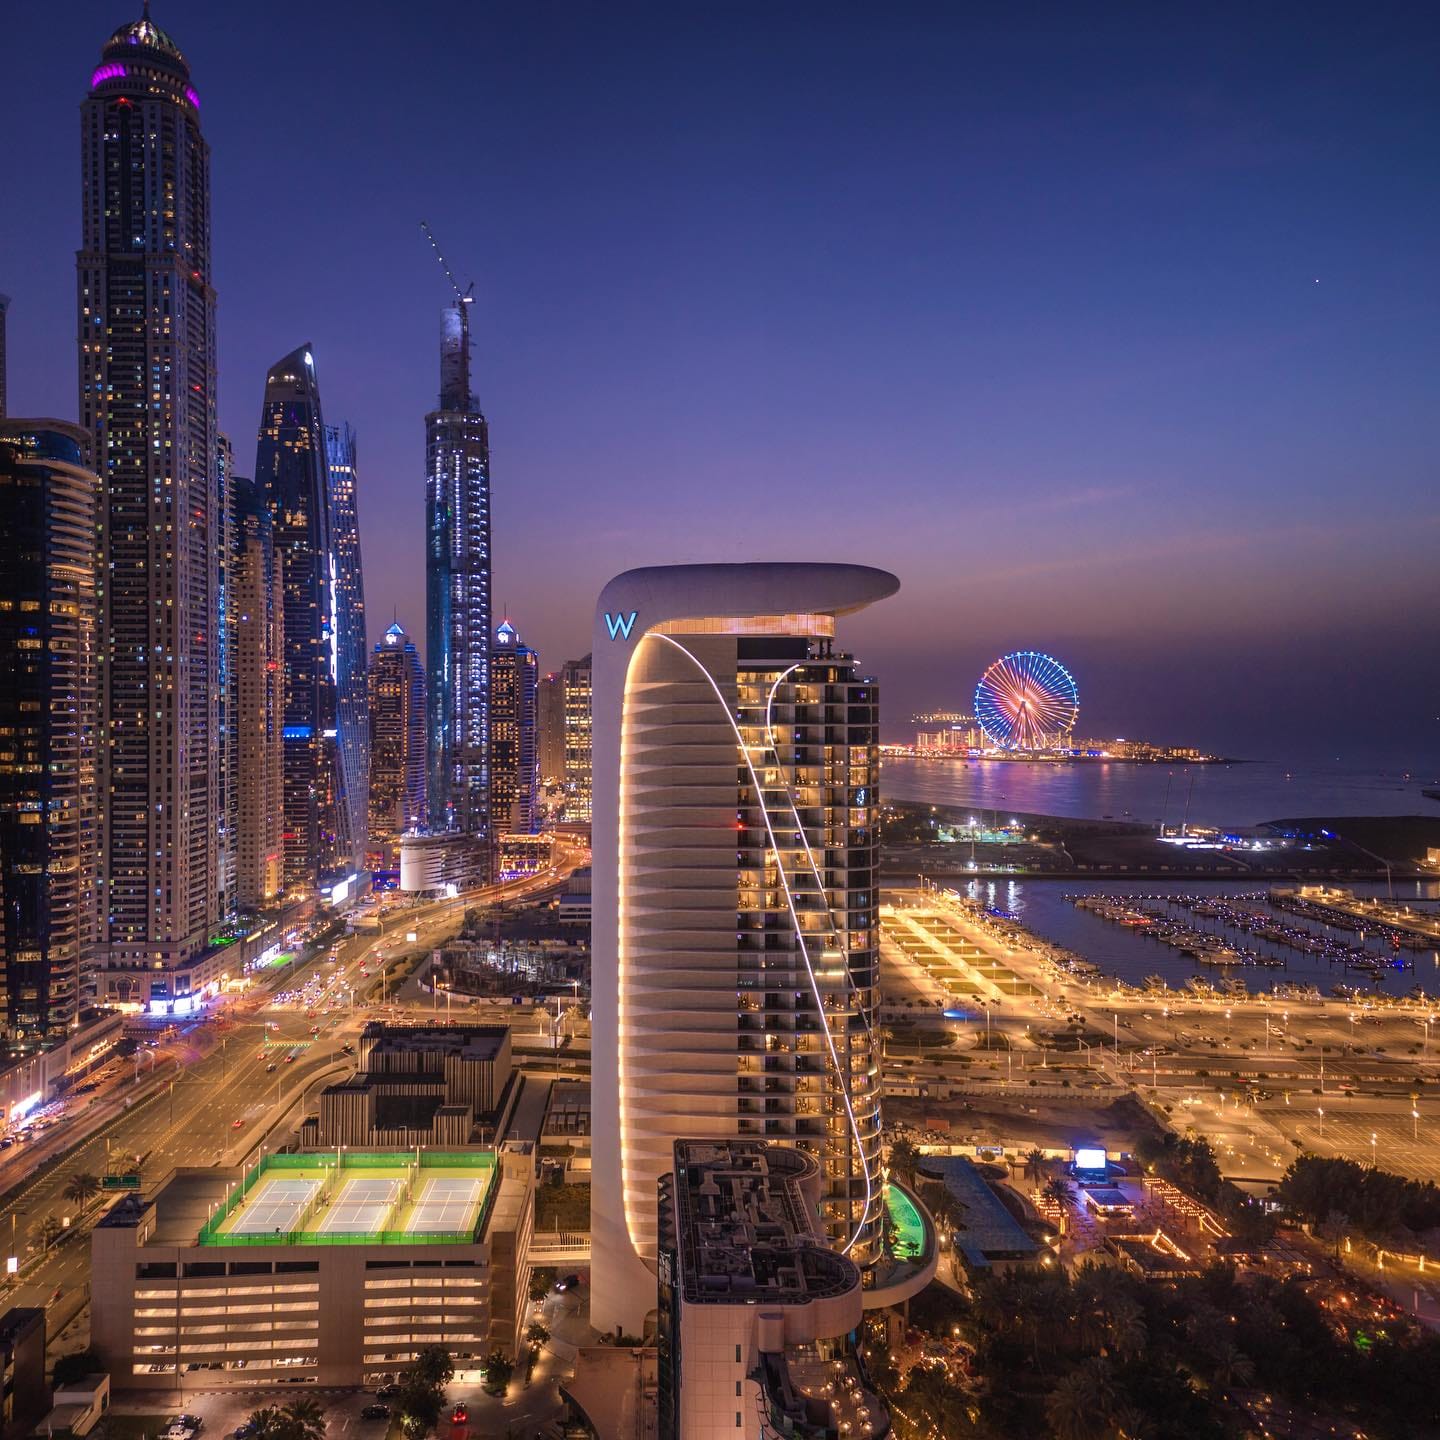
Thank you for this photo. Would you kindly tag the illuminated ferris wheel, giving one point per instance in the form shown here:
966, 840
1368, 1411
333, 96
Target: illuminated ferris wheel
1027, 701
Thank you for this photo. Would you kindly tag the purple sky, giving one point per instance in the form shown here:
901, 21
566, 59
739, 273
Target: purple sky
1112, 330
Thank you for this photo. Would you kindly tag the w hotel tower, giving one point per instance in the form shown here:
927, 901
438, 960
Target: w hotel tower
735, 940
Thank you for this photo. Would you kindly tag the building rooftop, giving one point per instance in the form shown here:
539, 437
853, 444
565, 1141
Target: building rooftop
143, 34
468, 1042
743, 1228
357, 1197
990, 1231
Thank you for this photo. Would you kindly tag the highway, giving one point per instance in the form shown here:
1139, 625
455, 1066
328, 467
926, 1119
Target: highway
211, 1092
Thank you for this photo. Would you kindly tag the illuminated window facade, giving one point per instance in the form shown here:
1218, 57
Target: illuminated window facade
352, 702
514, 748
49, 689
397, 745
147, 393
576, 679
292, 469
457, 591
257, 604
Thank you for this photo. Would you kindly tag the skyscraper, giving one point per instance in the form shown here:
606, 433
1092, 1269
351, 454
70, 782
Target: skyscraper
147, 397
229, 757
352, 695
4, 384
49, 707
397, 745
292, 469
257, 701
550, 721
514, 756
457, 590
576, 679
735, 939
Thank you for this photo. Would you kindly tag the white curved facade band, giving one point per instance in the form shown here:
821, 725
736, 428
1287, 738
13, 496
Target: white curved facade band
734, 892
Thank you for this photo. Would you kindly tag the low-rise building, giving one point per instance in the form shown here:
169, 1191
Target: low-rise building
328, 1268
415, 1085
757, 1314
445, 863
78, 1407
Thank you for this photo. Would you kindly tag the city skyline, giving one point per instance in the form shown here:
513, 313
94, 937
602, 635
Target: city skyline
1151, 403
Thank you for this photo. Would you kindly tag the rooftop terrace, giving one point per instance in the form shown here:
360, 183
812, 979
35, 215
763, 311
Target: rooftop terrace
384, 1197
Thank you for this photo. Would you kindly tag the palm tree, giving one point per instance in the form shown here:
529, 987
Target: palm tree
1127, 1330
82, 1189
1079, 1406
1034, 1164
305, 1419
537, 1334
48, 1231
904, 1157
268, 1423
1058, 1192
1132, 1423
1231, 1367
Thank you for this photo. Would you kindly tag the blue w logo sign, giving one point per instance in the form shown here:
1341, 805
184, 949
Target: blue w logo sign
620, 626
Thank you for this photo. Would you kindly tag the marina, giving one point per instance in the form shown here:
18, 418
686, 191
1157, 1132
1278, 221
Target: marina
1292, 954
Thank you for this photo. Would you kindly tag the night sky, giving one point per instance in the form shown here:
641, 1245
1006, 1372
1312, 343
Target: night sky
1113, 330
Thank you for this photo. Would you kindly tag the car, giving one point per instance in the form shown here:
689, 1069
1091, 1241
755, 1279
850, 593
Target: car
237, 1124
387, 1391
290, 1058
567, 1282
245, 1429
194, 1422
375, 1412
460, 1414
272, 1066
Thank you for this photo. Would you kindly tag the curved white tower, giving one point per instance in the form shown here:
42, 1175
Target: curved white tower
734, 952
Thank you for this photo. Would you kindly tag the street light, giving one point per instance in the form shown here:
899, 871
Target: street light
1414, 1124
1373, 1165
1321, 1111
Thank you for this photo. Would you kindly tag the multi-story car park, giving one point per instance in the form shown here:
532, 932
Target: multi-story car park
322, 1267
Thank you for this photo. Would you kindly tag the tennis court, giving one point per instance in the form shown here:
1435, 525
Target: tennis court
446, 1203
360, 1207
275, 1205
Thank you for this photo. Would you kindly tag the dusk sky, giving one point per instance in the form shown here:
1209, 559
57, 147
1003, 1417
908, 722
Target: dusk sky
1113, 330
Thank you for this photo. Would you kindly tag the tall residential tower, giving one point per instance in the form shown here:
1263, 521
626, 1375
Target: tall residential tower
457, 590
352, 697
397, 745
147, 397
49, 705
514, 751
292, 469
735, 932
258, 696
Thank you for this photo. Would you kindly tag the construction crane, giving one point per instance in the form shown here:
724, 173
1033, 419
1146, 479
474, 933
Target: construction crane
465, 297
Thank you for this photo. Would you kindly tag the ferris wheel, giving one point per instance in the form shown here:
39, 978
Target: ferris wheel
1026, 701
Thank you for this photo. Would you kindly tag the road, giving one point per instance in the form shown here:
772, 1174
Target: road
215, 1088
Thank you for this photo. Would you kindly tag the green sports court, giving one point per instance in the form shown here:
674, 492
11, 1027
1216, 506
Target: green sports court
357, 1197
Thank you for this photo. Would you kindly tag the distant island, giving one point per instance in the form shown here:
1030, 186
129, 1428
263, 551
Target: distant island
953, 735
